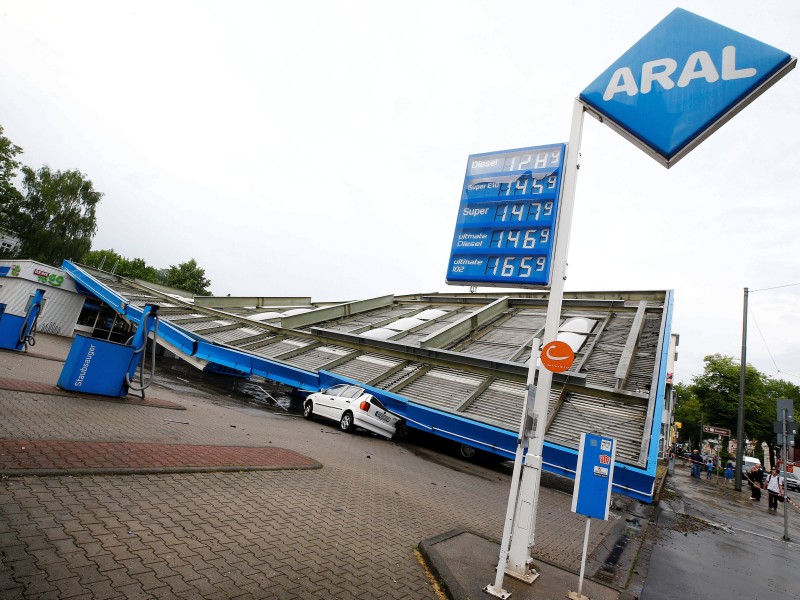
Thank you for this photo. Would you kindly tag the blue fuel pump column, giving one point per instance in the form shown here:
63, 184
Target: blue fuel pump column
108, 368
17, 333
148, 324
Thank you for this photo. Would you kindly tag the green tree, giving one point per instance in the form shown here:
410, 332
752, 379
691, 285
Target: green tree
55, 217
135, 268
8, 167
102, 259
717, 393
688, 412
9, 195
190, 277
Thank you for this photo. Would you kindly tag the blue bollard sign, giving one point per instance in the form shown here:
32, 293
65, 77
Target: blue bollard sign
592, 493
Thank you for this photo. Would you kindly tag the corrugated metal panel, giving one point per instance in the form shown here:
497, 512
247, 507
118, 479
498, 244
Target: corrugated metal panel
442, 388
366, 367
257, 343
226, 337
580, 413
399, 376
315, 358
645, 359
500, 404
177, 316
510, 336
502, 338
60, 311
411, 339
200, 325
285, 345
601, 364
480, 348
361, 320
527, 320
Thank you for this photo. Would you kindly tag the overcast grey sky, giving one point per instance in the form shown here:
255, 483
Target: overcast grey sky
319, 148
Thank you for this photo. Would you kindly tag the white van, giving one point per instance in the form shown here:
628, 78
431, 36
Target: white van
748, 462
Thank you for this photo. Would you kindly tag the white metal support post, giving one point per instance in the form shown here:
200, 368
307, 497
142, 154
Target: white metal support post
515, 558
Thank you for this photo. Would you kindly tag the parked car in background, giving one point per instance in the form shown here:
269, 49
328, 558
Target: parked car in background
352, 407
792, 482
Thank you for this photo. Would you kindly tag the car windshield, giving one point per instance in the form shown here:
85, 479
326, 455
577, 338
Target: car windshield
377, 403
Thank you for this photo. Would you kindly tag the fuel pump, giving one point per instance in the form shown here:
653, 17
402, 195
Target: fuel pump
148, 323
17, 333
108, 368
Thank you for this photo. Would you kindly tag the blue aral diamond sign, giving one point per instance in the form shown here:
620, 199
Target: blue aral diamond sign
681, 82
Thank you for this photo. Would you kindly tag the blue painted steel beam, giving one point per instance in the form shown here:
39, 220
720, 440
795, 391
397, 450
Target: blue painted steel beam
629, 481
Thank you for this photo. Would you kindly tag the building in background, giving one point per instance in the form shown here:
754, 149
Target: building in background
62, 305
9, 242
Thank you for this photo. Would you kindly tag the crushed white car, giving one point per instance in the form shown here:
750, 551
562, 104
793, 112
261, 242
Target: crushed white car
352, 407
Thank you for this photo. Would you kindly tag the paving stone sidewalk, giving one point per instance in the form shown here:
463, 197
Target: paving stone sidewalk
64, 457
346, 530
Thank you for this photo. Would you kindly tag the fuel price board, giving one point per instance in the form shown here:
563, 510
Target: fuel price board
506, 226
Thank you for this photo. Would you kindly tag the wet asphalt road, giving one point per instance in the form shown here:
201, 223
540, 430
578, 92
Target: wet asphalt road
710, 542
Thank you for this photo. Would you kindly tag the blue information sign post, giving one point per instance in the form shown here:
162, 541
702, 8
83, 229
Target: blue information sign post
506, 227
592, 493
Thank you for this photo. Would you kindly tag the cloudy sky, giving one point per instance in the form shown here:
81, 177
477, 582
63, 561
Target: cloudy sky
319, 148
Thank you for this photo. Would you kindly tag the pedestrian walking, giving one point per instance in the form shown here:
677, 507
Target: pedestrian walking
709, 468
754, 478
774, 490
730, 473
697, 463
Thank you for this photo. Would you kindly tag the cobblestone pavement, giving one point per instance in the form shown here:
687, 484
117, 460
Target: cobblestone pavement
59, 457
347, 530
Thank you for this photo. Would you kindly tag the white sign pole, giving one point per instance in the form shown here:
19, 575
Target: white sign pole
579, 595
522, 444
518, 563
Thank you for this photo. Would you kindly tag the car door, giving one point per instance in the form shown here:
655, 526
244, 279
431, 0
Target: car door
343, 401
327, 401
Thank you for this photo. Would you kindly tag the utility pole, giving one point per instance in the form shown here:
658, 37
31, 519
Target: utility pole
783, 474
740, 420
786, 428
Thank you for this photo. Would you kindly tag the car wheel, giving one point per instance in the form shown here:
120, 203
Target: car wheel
400, 430
468, 451
308, 409
346, 424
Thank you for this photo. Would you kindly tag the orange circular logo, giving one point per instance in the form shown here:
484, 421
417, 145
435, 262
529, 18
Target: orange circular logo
557, 356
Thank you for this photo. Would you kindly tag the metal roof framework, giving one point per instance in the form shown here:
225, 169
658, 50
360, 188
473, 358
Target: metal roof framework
455, 366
